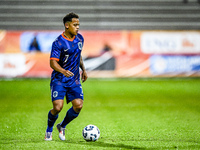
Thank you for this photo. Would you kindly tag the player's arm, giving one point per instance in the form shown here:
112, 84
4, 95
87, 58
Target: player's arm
84, 73
54, 65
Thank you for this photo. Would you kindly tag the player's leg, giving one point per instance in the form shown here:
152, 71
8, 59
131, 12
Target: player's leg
74, 95
57, 96
53, 114
57, 106
71, 114
52, 117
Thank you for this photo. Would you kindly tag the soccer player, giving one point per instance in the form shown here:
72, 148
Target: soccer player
65, 61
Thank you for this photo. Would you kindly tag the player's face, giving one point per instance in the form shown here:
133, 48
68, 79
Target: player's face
73, 26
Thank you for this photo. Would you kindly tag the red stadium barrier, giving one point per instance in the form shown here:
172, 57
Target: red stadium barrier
106, 53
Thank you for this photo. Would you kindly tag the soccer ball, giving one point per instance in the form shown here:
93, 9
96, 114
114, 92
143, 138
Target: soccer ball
91, 133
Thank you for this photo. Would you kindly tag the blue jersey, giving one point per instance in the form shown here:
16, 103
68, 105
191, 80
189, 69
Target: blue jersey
68, 53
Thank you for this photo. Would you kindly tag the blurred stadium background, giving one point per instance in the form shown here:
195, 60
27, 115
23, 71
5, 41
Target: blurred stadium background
148, 42
129, 38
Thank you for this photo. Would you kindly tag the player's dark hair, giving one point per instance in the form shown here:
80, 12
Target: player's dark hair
69, 17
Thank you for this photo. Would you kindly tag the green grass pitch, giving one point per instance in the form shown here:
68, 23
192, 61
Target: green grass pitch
131, 114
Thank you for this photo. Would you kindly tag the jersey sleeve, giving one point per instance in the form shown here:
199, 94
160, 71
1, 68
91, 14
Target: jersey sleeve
56, 51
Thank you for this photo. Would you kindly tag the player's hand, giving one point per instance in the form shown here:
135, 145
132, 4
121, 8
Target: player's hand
84, 76
68, 73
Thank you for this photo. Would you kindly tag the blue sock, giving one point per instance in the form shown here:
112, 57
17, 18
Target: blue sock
70, 115
51, 120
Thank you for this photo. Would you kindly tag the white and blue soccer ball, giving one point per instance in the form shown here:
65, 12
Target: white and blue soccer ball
91, 133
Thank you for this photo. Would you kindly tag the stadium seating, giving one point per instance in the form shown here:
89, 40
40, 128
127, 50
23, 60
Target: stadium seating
101, 14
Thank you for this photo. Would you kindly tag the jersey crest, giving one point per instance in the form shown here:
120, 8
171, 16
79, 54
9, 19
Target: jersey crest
80, 45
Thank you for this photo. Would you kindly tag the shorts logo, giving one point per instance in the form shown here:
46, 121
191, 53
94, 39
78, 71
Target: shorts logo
80, 45
55, 94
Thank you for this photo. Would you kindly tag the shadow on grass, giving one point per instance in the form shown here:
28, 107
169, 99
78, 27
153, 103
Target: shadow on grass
124, 146
103, 144
99, 144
